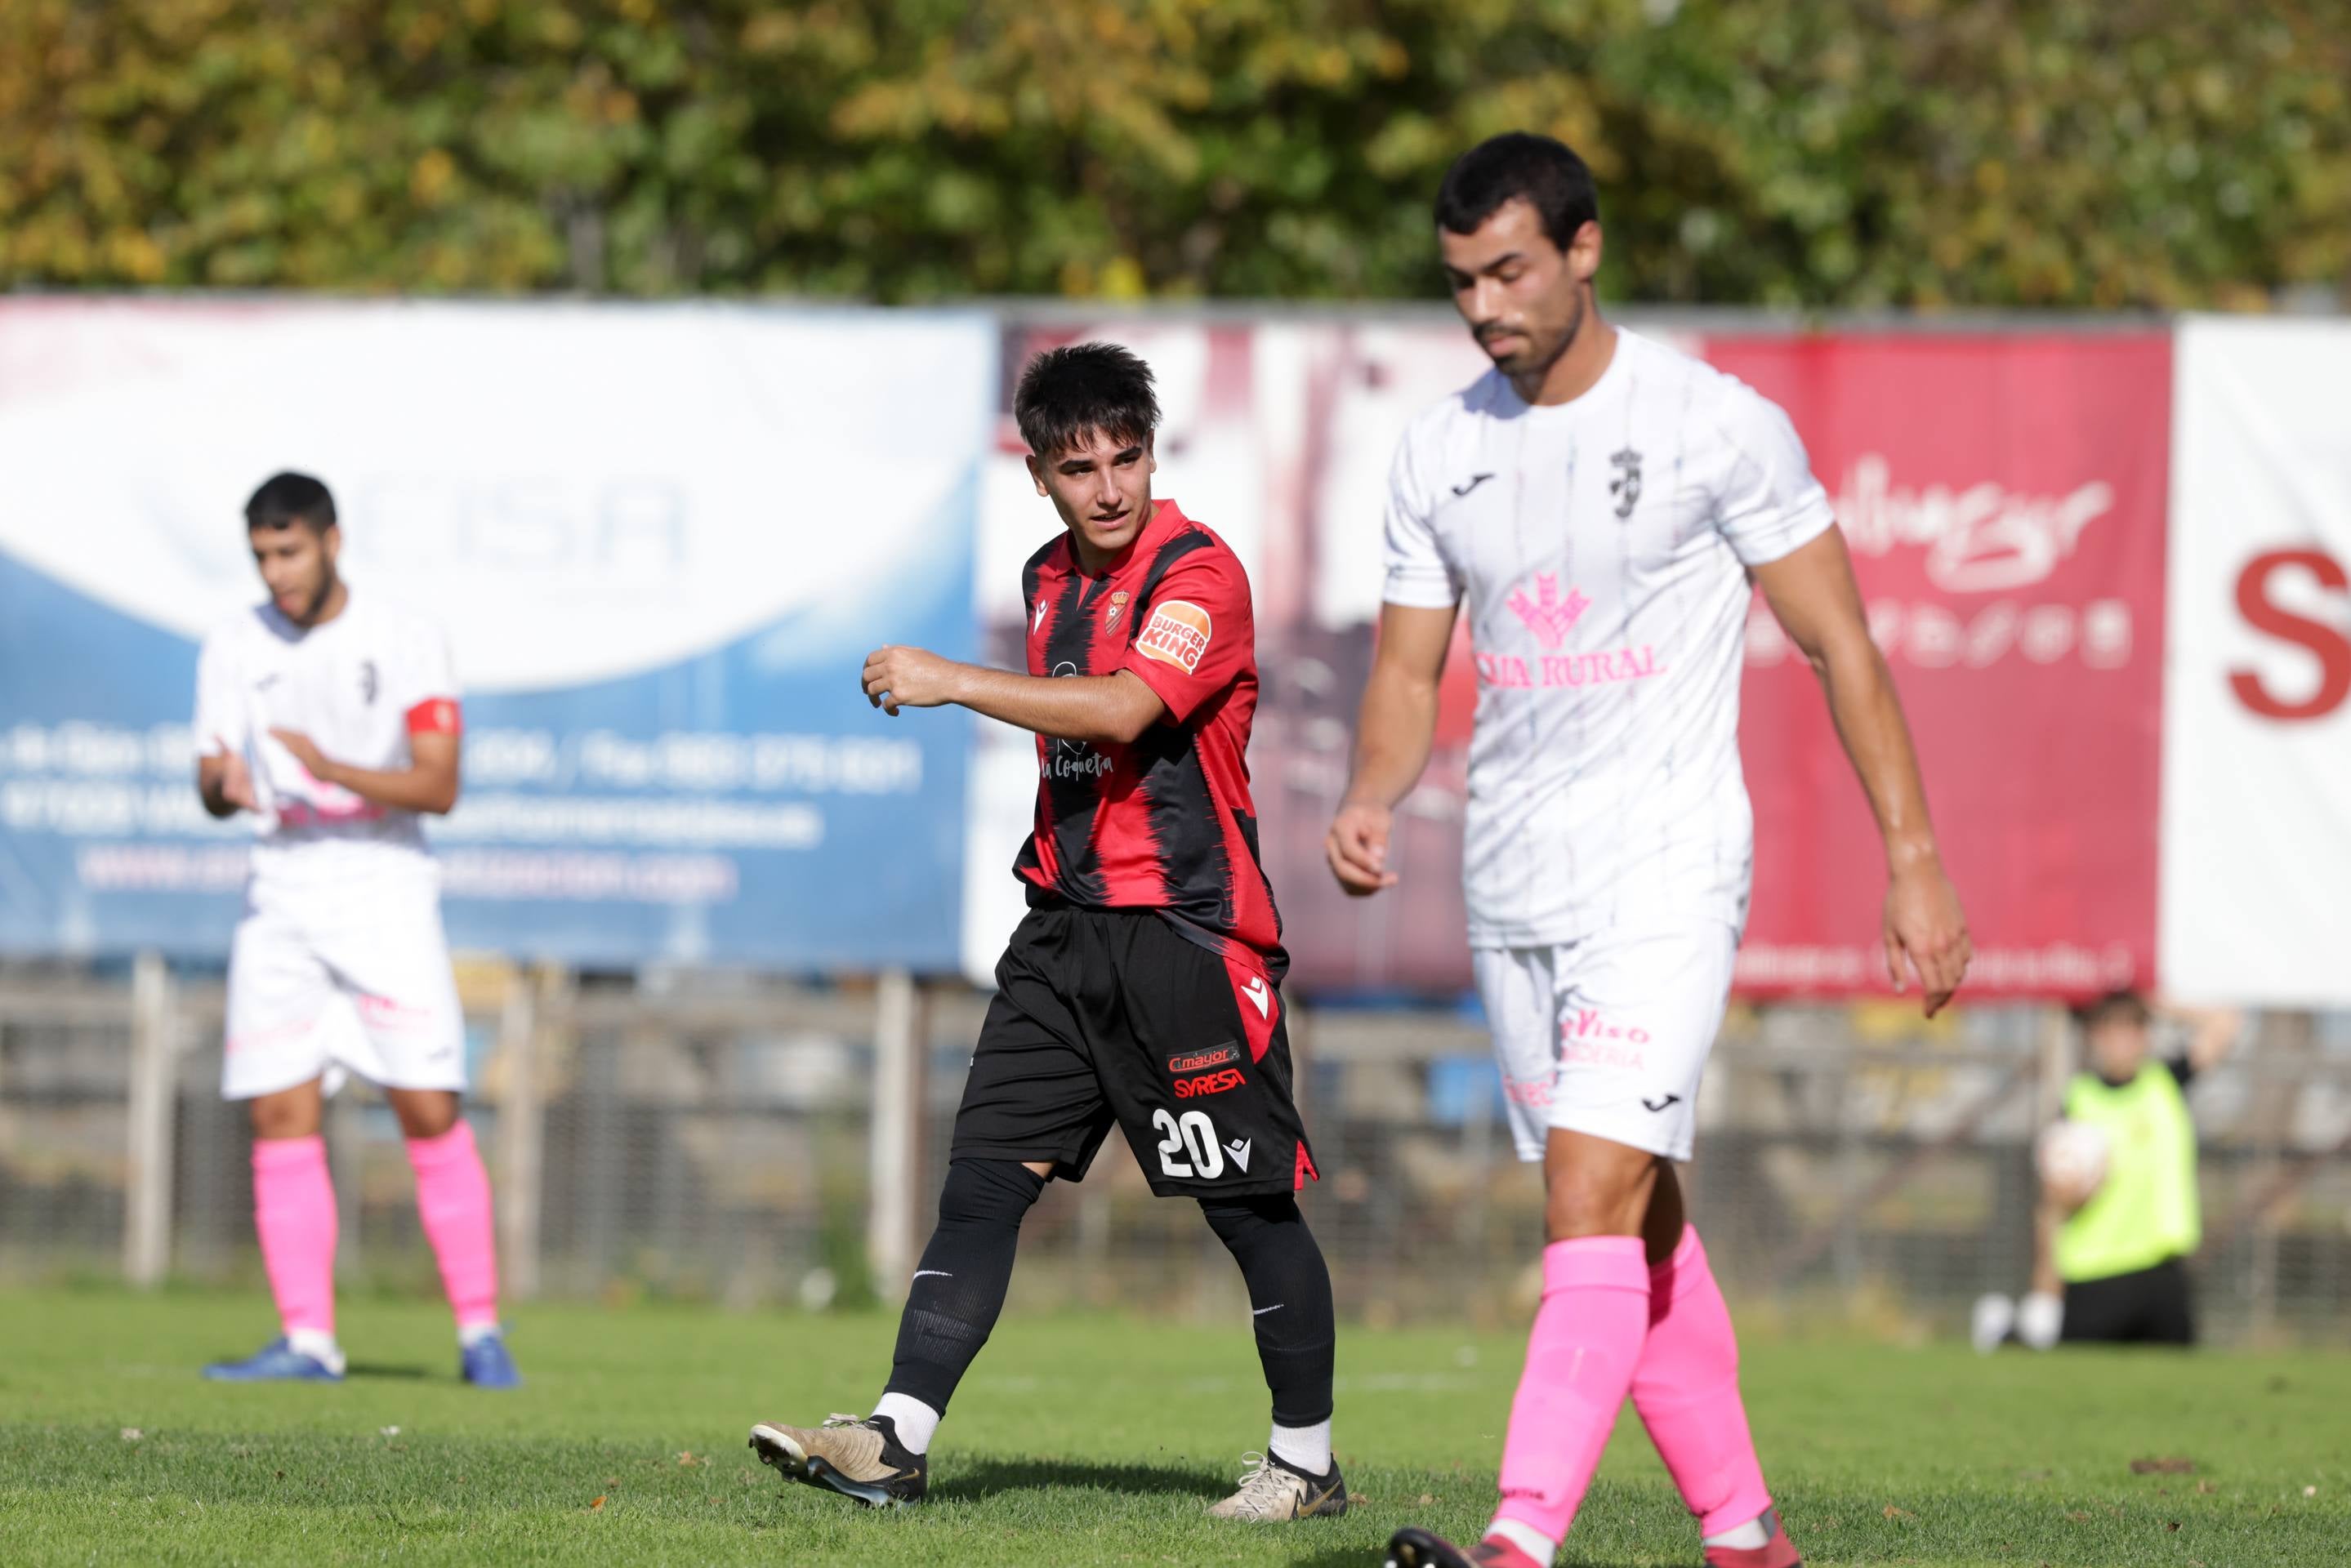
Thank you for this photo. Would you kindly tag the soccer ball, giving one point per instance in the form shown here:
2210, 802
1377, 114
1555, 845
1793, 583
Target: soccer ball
2072, 1157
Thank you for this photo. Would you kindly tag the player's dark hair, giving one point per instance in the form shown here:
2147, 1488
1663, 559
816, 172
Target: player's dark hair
2126, 1005
1518, 166
1069, 393
285, 499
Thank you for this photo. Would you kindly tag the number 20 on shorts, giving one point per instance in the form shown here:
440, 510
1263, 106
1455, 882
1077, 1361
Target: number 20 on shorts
1191, 1133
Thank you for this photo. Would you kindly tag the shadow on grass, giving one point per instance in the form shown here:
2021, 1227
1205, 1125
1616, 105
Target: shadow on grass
386, 1370
979, 1479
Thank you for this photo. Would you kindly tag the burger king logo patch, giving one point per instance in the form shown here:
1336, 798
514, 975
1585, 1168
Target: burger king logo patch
1179, 635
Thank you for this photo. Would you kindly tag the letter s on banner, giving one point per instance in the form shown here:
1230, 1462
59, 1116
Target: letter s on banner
2329, 646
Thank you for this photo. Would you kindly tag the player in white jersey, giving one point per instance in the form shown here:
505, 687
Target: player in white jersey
334, 719
1605, 506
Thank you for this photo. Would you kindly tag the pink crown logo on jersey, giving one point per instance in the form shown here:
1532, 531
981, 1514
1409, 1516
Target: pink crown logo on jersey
1548, 616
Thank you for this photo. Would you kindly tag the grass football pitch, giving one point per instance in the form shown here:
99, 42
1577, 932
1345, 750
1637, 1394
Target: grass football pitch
1090, 1439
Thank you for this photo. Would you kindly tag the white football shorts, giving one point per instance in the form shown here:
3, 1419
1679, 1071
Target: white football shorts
352, 979
1608, 1036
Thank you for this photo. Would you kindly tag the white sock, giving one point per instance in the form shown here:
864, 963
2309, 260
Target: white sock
1755, 1532
470, 1334
915, 1421
1526, 1538
1303, 1448
318, 1345
2040, 1319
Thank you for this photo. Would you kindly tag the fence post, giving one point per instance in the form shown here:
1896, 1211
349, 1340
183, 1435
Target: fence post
900, 1037
147, 1218
522, 1127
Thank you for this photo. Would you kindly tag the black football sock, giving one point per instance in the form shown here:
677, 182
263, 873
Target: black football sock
958, 1288
1290, 1302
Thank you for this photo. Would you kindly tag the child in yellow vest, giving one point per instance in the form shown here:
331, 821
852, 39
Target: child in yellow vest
2119, 1215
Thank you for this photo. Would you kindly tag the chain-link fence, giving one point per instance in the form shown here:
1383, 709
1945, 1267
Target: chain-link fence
715, 1137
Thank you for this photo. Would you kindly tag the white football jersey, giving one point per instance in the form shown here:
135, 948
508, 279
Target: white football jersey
351, 685
1603, 547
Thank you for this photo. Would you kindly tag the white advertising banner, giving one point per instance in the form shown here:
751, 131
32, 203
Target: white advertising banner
2256, 818
661, 540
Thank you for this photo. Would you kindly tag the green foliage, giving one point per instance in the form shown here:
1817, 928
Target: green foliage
2155, 154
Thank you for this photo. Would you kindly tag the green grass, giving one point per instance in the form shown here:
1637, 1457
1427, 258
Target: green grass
1088, 1439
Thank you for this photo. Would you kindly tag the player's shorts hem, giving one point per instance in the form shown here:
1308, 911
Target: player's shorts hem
1281, 1187
236, 1092
1605, 1126
1066, 1167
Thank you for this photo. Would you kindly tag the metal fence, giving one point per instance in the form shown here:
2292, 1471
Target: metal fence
752, 1142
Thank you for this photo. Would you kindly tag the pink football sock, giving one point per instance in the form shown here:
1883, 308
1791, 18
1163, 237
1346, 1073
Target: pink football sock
453, 1199
294, 1211
1687, 1390
1579, 1359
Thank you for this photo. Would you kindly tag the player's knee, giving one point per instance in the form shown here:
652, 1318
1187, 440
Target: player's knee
1240, 1223
1602, 1201
293, 1113
988, 1192
423, 1113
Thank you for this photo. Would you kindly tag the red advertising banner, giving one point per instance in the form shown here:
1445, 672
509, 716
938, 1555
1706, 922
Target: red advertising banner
2004, 498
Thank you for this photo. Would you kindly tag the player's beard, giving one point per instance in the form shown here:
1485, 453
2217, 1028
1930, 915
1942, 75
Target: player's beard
318, 601
1535, 365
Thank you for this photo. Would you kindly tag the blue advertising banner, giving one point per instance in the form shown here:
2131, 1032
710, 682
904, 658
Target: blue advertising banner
661, 541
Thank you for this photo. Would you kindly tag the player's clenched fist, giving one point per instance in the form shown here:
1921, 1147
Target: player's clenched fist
899, 677
1357, 848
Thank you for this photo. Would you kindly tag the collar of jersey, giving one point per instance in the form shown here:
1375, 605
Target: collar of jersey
1165, 517
1583, 402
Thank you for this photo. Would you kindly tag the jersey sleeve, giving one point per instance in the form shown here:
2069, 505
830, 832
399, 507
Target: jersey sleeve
220, 723
1199, 635
424, 681
1769, 503
1417, 575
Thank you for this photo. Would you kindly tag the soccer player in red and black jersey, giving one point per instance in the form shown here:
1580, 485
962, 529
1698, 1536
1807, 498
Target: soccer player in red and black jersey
1141, 988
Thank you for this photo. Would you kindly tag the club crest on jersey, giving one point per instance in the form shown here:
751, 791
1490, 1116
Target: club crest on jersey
1178, 634
1626, 486
1117, 608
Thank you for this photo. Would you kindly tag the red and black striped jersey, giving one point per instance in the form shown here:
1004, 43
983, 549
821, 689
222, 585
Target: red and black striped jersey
1165, 823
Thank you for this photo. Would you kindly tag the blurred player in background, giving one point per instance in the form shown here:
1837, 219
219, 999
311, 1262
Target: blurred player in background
2119, 1216
1141, 988
1606, 507
333, 718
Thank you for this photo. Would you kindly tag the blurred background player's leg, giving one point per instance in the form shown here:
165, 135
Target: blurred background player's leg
281, 1015
388, 951
295, 1217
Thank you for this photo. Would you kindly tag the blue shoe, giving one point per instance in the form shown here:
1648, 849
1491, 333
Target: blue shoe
277, 1361
484, 1364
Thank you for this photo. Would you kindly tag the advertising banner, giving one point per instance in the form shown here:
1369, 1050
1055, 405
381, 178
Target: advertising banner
2004, 497
2257, 748
661, 541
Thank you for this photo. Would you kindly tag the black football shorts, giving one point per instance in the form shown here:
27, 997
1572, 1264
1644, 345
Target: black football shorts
1114, 1015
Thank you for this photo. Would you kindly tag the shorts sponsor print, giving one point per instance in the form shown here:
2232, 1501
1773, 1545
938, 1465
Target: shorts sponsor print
1608, 1036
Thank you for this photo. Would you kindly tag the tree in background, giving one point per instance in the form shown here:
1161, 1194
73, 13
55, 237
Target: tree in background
2108, 154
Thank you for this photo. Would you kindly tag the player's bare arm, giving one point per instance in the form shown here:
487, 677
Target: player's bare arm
429, 783
1394, 734
224, 782
2212, 1032
1096, 709
1812, 592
